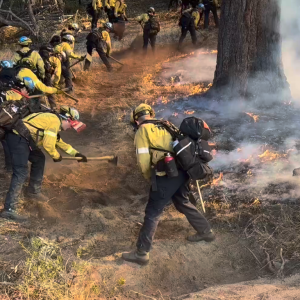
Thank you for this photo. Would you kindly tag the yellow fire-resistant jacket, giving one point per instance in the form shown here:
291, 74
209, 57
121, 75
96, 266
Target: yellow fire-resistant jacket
12, 96
151, 136
109, 3
142, 19
106, 38
97, 4
25, 75
55, 62
195, 15
64, 47
47, 137
120, 9
36, 59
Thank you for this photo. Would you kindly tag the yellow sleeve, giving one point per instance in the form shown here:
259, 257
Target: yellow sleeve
106, 38
216, 3
57, 71
94, 4
139, 18
50, 139
67, 48
196, 17
66, 148
16, 58
44, 88
39, 64
142, 151
117, 8
13, 96
106, 4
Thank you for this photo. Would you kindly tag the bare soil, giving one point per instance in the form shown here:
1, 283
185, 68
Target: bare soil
95, 209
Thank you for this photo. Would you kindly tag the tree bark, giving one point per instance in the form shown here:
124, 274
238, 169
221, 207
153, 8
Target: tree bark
249, 62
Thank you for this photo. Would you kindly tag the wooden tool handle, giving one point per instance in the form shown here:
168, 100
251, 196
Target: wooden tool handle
89, 158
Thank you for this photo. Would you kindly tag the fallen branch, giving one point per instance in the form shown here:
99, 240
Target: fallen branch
7, 283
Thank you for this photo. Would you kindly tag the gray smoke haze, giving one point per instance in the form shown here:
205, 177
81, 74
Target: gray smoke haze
290, 33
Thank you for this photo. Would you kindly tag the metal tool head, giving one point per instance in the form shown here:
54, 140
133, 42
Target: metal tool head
114, 160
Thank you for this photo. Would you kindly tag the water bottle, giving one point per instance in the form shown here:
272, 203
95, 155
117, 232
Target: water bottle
170, 166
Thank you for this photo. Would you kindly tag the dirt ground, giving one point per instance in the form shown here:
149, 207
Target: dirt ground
95, 209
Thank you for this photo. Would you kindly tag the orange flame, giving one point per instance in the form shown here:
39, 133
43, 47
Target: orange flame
218, 180
255, 117
189, 112
270, 156
212, 144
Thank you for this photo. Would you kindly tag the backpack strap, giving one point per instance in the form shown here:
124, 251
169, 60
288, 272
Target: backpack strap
24, 55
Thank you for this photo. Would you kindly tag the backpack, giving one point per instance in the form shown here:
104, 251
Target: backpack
26, 60
192, 155
89, 9
152, 25
186, 20
195, 128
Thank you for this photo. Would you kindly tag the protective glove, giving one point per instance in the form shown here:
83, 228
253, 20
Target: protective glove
84, 159
59, 91
83, 57
58, 159
107, 55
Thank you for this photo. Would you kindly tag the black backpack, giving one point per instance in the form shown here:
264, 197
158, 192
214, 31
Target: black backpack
186, 20
195, 128
152, 25
191, 154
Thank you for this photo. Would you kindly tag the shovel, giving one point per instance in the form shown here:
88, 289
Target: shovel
111, 159
122, 65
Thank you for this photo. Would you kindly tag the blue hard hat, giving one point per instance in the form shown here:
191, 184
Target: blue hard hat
201, 5
24, 41
29, 83
7, 64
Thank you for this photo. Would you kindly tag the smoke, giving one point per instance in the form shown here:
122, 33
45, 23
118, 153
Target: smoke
290, 33
197, 68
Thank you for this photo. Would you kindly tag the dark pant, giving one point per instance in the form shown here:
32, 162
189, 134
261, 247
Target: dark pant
66, 73
184, 31
8, 163
149, 38
101, 53
48, 82
95, 17
110, 14
213, 9
20, 155
177, 189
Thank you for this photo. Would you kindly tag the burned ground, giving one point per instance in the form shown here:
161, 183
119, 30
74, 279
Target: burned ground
95, 210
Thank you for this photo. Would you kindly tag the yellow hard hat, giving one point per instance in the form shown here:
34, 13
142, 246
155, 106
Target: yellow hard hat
142, 110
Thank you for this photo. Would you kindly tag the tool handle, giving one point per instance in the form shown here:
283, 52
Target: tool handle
77, 62
69, 96
200, 195
89, 158
116, 60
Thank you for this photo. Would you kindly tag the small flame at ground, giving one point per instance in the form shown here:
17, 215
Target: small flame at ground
270, 156
253, 116
218, 180
189, 112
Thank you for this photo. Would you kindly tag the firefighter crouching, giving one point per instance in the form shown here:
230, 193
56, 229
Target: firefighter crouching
148, 138
44, 129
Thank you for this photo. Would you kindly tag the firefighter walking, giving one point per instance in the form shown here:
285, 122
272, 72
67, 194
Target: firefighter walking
44, 129
151, 28
149, 139
99, 39
30, 56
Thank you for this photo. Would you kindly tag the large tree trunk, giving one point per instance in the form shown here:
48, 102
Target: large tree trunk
249, 60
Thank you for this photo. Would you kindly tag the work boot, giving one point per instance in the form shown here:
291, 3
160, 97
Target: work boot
198, 237
136, 256
13, 215
37, 197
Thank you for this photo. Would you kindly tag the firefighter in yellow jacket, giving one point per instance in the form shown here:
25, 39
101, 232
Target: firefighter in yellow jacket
34, 86
97, 39
109, 6
66, 51
44, 129
37, 63
120, 10
152, 141
96, 12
